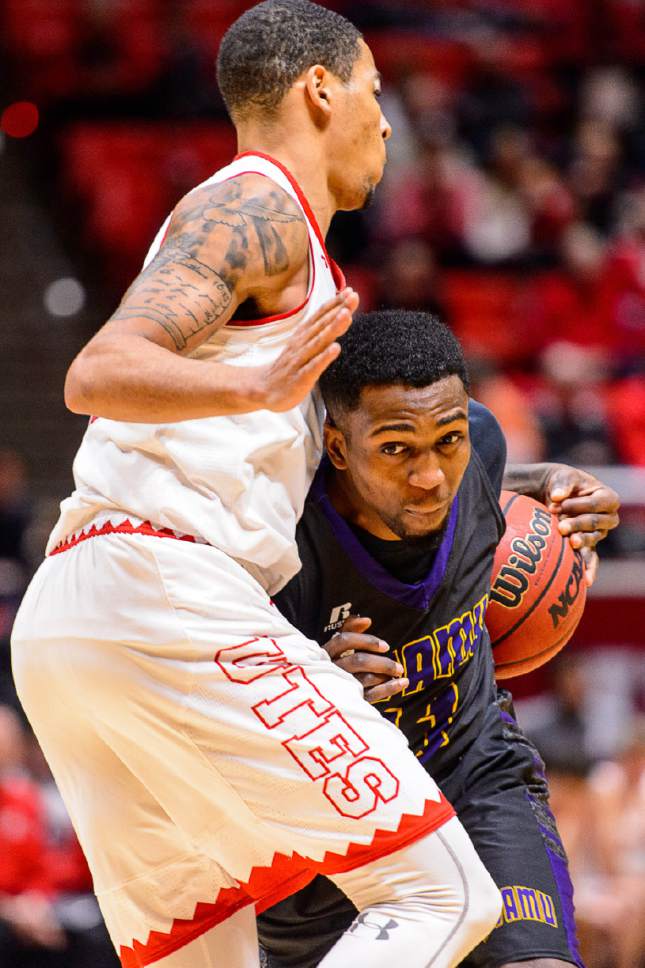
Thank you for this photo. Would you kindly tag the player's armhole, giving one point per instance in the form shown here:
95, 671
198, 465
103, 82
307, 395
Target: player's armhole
234, 323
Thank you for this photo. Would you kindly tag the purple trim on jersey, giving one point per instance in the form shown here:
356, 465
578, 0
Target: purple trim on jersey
507, 718
564, 886
415, 596
565, 890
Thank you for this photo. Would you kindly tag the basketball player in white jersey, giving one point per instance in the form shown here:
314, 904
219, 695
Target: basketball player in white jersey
213, 759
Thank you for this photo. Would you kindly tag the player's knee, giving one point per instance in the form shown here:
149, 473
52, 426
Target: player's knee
484, 903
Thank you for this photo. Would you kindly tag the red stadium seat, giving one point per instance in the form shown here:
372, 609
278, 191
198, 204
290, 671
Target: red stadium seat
129, 176
486, 310
400, 53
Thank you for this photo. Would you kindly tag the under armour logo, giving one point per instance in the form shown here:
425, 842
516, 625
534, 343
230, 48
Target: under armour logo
374, 922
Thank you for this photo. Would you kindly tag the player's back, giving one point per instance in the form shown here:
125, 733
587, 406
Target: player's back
236, 482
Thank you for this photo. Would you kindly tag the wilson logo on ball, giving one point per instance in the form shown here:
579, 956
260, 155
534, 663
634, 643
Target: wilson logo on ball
538, 591
513, 579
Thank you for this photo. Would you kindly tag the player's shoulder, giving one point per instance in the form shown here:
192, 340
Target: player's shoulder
488, 441
249, 200
249, 221
483, 421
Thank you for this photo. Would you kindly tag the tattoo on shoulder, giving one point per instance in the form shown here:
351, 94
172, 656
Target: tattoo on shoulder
179, 290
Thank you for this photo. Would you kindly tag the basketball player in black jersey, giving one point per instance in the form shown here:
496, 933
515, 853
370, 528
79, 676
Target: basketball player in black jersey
401, 526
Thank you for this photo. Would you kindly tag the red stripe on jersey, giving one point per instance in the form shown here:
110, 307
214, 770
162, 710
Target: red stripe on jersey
124, 527
269, 885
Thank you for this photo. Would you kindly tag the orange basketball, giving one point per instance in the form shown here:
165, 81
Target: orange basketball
537, 593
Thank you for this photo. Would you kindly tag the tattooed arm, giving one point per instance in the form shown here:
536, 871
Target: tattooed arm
241, 241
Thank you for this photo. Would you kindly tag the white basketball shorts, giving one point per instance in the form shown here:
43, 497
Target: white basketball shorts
210, 756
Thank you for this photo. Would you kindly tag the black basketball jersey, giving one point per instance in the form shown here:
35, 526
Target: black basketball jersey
435, 628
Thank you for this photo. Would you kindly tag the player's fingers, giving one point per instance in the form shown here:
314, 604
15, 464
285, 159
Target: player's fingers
343, 642
306, 330
356, 623
386, 690
316, 343
590, 559
588, 523
603, 500
586, 539
359, 663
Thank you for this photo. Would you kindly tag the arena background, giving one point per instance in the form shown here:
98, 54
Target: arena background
513, 205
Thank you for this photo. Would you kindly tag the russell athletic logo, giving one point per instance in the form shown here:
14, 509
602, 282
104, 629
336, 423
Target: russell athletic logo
338, 615
513, 579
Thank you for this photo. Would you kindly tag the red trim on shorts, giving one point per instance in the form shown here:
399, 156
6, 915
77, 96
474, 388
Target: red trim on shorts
125, 527
286, 875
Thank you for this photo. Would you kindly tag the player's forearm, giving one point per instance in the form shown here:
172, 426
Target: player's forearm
135, 380
529, 479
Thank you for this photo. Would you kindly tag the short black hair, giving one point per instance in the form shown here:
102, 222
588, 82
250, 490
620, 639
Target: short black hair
388, 347
270, 45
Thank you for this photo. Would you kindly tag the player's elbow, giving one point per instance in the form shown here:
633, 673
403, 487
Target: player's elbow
81, 384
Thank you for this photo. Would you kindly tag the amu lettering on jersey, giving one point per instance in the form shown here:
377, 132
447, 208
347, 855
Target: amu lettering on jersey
442, 652
320, 739
526, 904
438, 655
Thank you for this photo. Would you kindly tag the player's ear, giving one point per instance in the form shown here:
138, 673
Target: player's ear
317, 83
336, 445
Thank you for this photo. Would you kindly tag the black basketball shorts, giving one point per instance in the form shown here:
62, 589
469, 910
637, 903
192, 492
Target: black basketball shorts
500, 793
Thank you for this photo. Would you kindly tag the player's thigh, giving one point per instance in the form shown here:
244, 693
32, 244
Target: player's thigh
243, 731
234, 942
515, 834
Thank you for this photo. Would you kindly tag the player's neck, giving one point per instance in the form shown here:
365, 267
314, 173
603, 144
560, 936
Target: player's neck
304, 159
346, 502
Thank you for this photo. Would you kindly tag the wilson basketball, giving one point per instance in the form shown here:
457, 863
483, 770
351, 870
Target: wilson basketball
537, 594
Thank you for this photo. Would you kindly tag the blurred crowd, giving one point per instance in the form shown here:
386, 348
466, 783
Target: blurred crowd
513, 203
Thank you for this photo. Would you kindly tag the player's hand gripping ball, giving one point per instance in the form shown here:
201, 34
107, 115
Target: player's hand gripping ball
538, 591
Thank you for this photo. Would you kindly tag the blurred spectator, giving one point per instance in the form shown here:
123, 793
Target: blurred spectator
431, 200
572, 405
595, 174
524, 439
408, 279
626, 281
31, 935
48, 915
15, 517
626, 403
573, 305
74, 903
498, 229
492, 97
562, 735
602, 823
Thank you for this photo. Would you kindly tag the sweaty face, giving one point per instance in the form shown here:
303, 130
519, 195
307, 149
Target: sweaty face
401, 457
358, 135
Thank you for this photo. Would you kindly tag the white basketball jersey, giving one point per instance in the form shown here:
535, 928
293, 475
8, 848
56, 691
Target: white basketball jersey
236, 482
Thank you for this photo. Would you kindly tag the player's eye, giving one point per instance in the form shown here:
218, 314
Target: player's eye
377, 93
449, 440
393, 450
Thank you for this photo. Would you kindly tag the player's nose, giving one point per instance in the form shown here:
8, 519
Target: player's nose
427, 473
386, 128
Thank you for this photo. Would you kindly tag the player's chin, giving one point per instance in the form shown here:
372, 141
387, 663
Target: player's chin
416, 523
